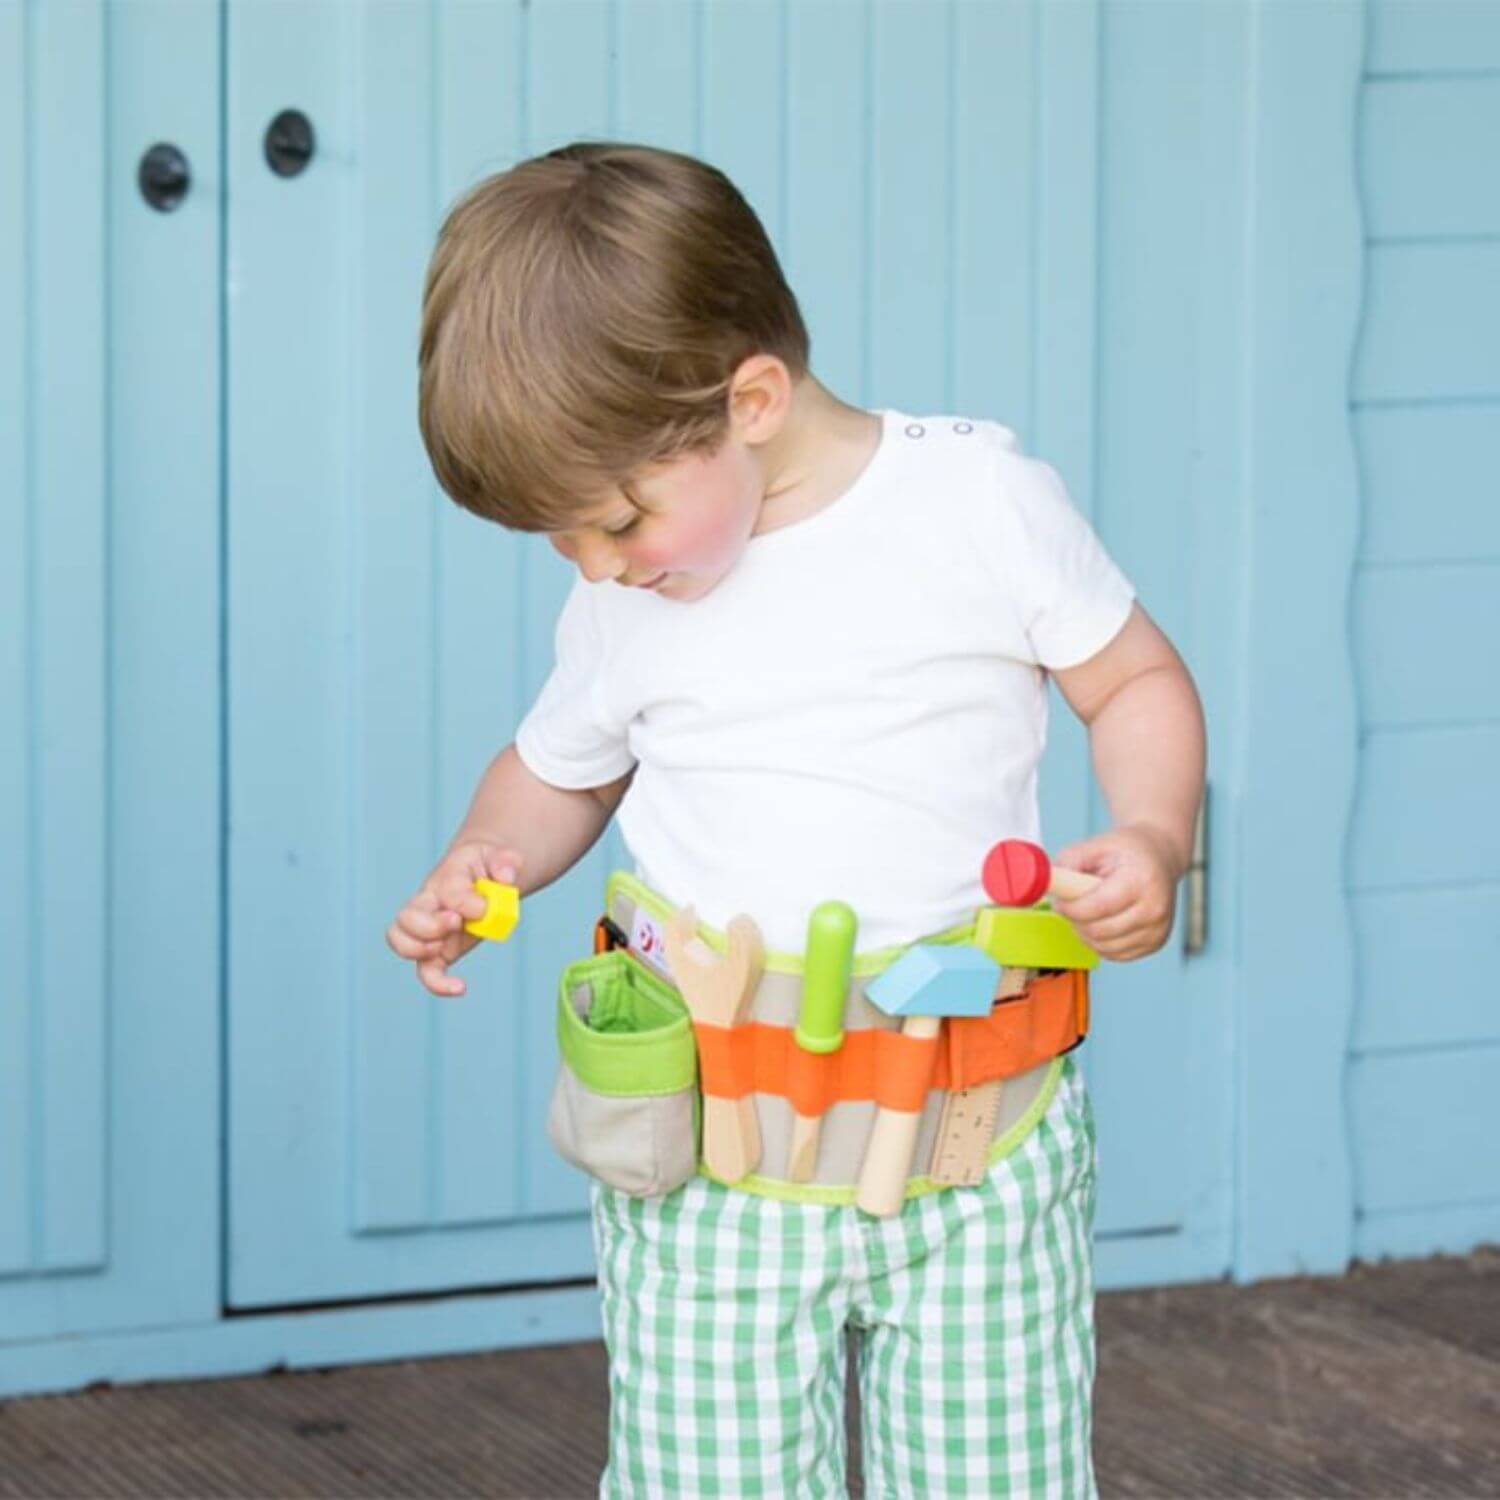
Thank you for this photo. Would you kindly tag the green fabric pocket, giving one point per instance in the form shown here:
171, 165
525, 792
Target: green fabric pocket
625, 1105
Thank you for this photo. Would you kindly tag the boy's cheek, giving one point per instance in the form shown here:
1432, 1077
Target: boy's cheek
684, 553
704, 544
650, 558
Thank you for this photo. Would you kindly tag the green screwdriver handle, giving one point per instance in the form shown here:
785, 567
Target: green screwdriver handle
826, 968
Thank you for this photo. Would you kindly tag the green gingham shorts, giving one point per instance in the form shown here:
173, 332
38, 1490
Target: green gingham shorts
725, 1315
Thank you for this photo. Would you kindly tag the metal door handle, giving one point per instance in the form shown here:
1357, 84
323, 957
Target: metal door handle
1195, 927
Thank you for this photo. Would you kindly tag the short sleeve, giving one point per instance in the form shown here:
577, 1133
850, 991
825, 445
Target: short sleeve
1070, 596
568, 738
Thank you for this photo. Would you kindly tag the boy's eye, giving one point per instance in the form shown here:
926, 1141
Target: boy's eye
629, 526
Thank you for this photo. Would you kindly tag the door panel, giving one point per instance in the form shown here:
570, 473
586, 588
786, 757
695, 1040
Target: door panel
380, 1141
109, 1208
1141, 1059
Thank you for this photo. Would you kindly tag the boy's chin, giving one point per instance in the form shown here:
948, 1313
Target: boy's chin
685, 588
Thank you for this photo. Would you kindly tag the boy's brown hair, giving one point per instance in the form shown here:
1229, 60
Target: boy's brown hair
583, 315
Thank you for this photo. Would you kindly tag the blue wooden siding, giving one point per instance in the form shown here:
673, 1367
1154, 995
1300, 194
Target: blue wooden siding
1127, 228
1424, 850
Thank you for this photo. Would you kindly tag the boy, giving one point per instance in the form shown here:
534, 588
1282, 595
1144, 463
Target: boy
805, 659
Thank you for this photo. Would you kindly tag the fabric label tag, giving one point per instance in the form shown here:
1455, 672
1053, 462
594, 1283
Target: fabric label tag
646, 941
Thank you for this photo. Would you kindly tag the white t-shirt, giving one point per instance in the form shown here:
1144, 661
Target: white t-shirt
857, 710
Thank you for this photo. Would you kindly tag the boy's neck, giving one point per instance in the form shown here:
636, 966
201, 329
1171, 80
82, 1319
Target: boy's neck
823, 446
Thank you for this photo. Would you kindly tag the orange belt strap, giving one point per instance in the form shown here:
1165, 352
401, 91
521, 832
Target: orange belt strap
896, 1071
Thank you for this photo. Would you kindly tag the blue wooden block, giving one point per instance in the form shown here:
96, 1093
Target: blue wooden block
937, 980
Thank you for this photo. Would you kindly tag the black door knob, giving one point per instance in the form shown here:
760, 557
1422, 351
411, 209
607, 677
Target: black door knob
289, 142
164, 177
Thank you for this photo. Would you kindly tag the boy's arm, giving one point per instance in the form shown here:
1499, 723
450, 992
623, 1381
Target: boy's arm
549, 827
1146, 734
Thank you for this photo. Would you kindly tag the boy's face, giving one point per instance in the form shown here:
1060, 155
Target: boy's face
698, 512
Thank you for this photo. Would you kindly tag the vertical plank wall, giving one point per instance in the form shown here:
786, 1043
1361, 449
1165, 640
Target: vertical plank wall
1424, 854
52, 600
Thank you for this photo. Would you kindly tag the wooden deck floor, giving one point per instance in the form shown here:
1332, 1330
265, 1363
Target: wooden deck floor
1385, 1382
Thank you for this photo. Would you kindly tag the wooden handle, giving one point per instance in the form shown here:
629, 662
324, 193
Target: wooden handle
731, 1136
893, 1142
1070, 884
802, 1156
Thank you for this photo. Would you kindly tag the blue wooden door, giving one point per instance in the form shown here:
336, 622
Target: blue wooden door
109, 655
381, 645
933, 179
1138, 417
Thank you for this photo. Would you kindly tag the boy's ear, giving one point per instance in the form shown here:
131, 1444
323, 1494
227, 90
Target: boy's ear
760, 396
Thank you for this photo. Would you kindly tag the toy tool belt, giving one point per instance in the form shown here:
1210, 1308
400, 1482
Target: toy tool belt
980, 1083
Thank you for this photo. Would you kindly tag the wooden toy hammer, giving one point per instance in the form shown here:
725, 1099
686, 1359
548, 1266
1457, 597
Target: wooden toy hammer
928, 982
1017, 873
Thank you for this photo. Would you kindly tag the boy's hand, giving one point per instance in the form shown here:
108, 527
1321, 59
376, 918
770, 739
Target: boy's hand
429, 928
1129, 914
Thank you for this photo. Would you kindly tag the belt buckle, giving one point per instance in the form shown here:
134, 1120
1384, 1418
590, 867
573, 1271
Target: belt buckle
608, 935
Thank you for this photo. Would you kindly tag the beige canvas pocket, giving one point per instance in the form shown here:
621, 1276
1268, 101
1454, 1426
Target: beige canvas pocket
625, 1104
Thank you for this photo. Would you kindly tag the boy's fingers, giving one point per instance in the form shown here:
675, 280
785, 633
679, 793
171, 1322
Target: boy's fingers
1112, 928
427, 925
401, 942
465, 901
429, 928
453, 888
405, 945
433, 972
502, 865
1122, 953
1091, 857
1105, 900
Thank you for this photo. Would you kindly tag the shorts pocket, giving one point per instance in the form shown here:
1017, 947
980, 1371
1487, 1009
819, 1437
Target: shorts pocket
625, 1103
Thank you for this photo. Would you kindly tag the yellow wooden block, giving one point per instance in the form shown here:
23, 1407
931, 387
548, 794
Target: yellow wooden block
501, 912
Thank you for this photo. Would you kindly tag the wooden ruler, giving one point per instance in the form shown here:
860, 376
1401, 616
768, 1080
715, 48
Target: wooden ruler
965, 1130
966, 1127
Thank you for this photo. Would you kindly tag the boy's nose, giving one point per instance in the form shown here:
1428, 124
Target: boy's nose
597, 557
